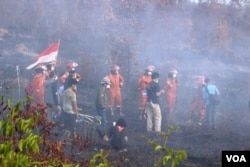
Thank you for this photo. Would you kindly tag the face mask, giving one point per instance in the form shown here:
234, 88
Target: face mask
52, 68
107, 86
149, 73
174, 75
56, 78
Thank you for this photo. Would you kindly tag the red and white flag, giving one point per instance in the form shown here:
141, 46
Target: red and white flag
46, 56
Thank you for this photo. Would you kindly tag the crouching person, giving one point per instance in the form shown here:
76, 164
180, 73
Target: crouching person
116, 136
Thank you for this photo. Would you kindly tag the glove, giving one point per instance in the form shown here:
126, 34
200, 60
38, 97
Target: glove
105, 138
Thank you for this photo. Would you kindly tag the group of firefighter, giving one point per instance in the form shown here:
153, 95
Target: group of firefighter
204, 101
45, 76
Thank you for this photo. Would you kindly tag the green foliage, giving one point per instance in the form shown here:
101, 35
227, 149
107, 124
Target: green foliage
168, 156
100, 159
18, 140
19, 144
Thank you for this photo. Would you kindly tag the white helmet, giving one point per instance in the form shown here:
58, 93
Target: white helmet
106, 80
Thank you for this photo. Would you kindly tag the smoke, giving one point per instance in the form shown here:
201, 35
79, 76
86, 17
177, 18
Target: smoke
195, 39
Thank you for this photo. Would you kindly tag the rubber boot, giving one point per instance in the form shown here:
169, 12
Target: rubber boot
112, 111
119, 109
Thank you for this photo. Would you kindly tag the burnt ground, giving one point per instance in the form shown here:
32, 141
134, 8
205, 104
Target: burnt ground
203, 147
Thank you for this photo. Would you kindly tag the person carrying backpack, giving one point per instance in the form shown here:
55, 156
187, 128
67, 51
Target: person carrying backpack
211, 97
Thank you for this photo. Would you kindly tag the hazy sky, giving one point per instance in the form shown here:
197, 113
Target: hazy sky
220, 1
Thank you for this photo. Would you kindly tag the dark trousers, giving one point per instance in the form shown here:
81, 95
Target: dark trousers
103, 114
210, 116
69, 121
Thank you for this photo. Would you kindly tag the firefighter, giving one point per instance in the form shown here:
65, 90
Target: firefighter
36, 88
198, 102
170, 87
142, 87
115, 97
68, 75
71, 66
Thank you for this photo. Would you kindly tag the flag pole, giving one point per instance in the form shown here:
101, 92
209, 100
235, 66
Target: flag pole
59, 42
18, 80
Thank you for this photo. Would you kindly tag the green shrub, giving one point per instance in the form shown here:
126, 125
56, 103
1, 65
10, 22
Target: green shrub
168, 156
20, 137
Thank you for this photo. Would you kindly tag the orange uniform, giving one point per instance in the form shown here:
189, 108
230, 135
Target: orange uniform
142, 85
36, 90
70, 67
66, 75
198, 103
170, 87
115, 97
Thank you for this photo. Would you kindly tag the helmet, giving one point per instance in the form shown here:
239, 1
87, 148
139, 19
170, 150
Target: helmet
71, 64
150, 68
173, 71
115, 67
106, 80
201, 79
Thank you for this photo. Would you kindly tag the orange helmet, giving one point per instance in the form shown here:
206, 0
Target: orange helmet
71, 64
115, 67
150, 68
